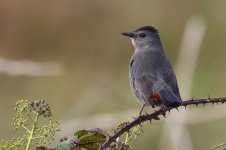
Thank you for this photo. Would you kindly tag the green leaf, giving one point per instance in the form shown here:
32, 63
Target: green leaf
81, 133
93, 146
95, 130
41, 148
92, 142
65, 145
94, 137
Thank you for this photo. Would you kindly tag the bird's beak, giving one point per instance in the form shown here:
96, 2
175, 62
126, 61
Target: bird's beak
129, 34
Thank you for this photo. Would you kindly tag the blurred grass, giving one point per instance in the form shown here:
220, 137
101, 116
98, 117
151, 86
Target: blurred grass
85, 37
206, 135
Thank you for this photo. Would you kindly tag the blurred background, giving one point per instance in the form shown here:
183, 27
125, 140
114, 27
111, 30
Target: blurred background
71, 53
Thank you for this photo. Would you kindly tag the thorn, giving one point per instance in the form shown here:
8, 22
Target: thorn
164, 115
134, 117
209, 97
196, 104
192, 98
222, 100
204, 103
185, 106
156, 118
177, 109
150, 121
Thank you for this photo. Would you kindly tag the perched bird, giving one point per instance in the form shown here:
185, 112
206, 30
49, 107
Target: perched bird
151, 75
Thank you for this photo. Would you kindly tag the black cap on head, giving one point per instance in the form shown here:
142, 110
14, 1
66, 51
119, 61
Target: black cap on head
147, 28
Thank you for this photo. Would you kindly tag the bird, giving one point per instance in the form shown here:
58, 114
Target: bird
151, 76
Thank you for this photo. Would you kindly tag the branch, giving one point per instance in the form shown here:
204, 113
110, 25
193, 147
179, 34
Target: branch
155, 116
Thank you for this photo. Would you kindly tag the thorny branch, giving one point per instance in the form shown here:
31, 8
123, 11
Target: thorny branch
155, 116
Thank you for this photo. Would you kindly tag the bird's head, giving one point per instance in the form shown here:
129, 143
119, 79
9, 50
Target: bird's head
143, 36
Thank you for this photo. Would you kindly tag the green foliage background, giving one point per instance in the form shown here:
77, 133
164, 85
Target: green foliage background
85, 37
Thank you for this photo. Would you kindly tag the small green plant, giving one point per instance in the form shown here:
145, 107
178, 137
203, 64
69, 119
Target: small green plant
30, 116
131, 133
94, 138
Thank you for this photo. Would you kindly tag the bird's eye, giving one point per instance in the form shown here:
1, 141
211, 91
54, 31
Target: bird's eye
142, 35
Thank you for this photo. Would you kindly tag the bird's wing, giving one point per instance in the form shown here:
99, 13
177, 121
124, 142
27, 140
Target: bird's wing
143, 86
140, 83
170, 79
166, 86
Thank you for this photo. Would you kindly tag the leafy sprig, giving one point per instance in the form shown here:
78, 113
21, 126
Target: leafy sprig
29, 114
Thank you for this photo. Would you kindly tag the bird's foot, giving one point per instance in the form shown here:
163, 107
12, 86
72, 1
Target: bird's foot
163, 108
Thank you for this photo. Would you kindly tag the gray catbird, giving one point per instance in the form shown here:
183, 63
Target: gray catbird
151, 76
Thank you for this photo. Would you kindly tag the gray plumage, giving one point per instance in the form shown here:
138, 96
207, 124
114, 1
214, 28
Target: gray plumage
150, 72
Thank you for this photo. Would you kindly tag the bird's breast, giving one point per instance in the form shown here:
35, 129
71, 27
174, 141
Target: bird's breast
145, 61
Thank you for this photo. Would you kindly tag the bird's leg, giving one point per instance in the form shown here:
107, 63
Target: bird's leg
143, 105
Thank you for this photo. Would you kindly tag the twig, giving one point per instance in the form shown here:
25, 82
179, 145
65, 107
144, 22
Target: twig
217, 146
155, 116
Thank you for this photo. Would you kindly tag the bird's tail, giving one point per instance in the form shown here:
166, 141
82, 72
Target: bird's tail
168, 98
